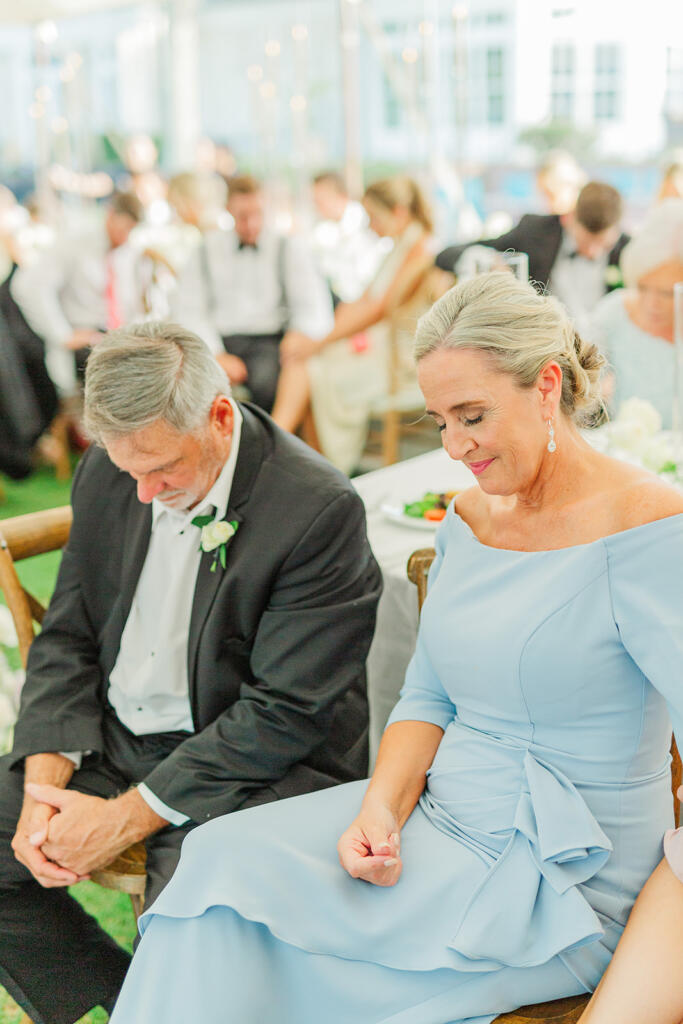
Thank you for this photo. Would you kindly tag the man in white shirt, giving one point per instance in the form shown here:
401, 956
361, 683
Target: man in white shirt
83, 286
204, 651
347, 252
245, 289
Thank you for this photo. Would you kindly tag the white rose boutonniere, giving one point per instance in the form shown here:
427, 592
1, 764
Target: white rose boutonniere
613, 278
215, 536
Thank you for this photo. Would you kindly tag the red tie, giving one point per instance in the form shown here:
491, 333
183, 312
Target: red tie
113, 315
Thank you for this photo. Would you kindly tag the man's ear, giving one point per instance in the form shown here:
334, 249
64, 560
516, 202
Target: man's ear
221, 416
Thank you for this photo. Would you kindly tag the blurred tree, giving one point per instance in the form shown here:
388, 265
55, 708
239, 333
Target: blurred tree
557, 134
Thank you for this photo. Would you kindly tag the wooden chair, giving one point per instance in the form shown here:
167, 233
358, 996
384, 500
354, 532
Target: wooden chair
559, 1011
403, 403
23, 537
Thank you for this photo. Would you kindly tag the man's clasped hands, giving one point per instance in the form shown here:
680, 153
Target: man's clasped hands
63, 835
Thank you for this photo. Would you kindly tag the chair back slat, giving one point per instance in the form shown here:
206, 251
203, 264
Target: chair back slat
22, 537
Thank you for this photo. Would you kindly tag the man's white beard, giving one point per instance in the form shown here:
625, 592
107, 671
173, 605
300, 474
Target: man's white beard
180, 500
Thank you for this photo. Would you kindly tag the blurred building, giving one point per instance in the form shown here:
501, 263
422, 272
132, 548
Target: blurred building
455, 80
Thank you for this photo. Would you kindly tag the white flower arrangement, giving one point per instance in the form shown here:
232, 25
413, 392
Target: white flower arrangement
10, 682
637, 432
215, 536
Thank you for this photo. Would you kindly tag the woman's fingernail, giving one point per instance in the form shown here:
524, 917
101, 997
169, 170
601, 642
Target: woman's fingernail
390, 863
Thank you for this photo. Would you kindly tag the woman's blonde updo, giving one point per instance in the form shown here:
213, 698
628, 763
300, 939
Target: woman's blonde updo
522, 331
402, 191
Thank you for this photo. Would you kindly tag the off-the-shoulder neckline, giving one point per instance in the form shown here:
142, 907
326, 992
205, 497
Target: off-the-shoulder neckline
618, 534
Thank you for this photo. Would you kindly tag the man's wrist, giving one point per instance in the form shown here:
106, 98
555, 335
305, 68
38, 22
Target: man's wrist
138, 818
48, 769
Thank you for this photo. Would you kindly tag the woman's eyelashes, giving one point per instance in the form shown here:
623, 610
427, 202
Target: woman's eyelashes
465, 420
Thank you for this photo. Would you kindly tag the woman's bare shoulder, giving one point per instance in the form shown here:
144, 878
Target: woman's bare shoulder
644, 499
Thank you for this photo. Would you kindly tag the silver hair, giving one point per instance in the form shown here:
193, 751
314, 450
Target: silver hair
146, 372
521, 331
659, 240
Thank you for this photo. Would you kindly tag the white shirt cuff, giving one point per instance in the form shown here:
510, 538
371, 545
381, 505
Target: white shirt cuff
160, 808
74, 755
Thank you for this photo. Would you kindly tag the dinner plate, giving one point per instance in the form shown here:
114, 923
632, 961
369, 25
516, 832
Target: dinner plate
397, 515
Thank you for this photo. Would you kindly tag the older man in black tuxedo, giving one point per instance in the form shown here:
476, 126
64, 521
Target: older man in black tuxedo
204, 651
574, 255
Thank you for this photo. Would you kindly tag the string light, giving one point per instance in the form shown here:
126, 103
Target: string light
59, 125
299, 33
254, 72
297, 104
36, 111
459, 12
43, 94
410, 55
267, 90
426, 28
272, 48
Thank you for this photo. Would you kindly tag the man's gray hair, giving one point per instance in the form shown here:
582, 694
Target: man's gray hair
146, 372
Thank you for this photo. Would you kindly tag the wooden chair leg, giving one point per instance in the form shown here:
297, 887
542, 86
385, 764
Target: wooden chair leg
60, 432
390, 437
138, 903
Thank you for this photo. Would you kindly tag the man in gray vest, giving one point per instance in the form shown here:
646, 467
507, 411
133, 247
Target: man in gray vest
244, 289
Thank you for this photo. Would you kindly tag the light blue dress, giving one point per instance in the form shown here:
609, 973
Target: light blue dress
643, 365
550, 673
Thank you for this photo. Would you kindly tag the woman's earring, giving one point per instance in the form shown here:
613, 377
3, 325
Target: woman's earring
552, 447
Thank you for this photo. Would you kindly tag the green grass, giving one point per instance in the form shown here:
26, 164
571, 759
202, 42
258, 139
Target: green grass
112, 910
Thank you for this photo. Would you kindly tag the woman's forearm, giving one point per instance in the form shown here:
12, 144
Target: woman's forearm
352, 317
405, 755
644, 982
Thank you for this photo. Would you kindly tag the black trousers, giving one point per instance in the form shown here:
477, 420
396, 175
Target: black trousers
261, 353
55, 960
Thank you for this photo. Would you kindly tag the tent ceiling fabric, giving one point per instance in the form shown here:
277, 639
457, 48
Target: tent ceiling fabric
41, 10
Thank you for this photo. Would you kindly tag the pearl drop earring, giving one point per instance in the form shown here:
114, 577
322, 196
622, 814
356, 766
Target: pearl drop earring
552, 447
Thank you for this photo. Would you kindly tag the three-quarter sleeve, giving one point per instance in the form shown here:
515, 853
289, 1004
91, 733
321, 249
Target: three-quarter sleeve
646, 585
423, 697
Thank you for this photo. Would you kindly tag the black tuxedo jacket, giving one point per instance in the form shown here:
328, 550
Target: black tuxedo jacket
540, 236
277, 642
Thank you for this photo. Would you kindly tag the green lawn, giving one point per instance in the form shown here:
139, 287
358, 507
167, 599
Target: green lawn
112, 910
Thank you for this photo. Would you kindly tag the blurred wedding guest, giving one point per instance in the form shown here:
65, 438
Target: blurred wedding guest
338, 377
559, 179
634, 326
347, 251
86, 284
573, 255
248, 290
140, 156
671, 186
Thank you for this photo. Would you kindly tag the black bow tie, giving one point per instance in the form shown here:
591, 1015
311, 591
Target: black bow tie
247, 245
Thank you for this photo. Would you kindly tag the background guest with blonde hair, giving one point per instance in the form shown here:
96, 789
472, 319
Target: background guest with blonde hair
634, 326
559, 179
339, 376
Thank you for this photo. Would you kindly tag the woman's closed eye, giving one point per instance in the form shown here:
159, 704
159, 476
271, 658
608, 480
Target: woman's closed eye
470, 422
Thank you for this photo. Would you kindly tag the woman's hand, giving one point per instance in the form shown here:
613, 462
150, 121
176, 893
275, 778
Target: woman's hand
295, 346
370, 848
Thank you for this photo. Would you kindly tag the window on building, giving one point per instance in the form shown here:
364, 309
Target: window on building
393, 115
674, 83
606, 97
495, 69
562, 82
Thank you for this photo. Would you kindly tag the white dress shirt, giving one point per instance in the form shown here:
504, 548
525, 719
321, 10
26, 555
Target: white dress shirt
225, 289
148, 686
577, 282
348, 252
66, 289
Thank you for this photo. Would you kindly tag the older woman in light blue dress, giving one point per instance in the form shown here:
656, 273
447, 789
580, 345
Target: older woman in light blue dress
523, 785
634, 326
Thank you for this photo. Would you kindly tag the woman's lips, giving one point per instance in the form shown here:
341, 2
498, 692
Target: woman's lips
479, 467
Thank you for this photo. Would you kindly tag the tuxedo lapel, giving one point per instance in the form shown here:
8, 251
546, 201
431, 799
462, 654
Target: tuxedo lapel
135, 544
249, 459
